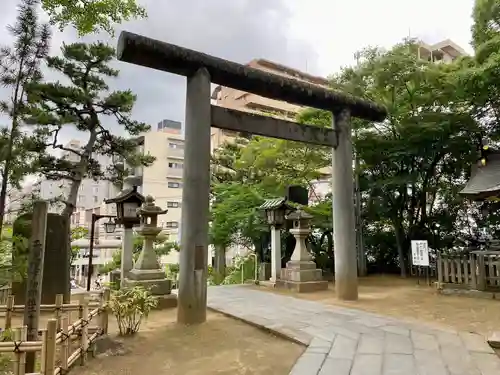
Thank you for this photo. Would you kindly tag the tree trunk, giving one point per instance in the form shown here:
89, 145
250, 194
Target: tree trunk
220, 260
400, 246
6, 171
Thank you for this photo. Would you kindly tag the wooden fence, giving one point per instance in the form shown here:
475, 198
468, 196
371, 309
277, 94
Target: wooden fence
478, 270
56, 345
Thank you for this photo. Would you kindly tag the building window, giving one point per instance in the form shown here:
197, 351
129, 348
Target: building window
175, 165
172, 224
173, 204
96, 199
95, 190
174, 185
177, 146
81, 198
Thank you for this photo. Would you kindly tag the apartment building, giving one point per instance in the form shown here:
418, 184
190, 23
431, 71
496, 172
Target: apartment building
243, 101
442, 52
163, 179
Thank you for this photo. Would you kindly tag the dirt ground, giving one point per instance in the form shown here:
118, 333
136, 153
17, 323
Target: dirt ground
221, 346
404, 299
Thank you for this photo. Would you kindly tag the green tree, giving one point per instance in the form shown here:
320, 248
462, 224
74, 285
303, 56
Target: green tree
91, 16
86, 104
247, 171
9, 244
414, 163
20, 66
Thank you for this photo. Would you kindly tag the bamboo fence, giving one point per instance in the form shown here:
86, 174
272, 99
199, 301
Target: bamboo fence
55, 345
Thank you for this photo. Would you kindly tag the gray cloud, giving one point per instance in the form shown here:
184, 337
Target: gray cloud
238, 30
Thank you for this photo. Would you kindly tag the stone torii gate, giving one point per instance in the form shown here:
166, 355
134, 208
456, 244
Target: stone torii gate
202, 69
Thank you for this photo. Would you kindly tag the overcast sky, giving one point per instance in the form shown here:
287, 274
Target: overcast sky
317, 36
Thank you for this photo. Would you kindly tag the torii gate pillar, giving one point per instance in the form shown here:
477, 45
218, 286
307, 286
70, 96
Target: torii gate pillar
192, 301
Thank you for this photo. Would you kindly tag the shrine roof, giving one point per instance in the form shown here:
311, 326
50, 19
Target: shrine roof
485, 179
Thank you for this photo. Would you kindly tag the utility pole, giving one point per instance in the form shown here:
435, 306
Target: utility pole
360, 246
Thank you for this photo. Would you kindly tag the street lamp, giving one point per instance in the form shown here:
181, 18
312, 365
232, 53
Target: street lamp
127, 203
275, 211
109, 227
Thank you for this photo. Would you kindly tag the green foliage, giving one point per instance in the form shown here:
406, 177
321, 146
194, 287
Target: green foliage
93, 15
6, 358
214, 277
116, 261
161, 244
172, 270
248, 171
242, 265
13, 268
414, 163
76, 234
130, 306
19, 67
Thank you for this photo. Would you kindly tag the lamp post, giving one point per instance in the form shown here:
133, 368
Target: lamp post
127, 203
275, 211
109, 227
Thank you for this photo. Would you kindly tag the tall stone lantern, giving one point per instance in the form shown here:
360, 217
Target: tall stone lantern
301, 273
147, 271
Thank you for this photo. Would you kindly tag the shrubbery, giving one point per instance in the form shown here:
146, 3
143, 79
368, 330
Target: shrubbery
129, 306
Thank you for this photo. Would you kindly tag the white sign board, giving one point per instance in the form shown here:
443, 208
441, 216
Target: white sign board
420, 253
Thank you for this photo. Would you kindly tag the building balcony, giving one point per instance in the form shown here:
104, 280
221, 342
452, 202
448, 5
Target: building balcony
174, 172
175, 153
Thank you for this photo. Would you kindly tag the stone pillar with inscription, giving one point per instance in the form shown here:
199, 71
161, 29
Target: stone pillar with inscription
147, 271
34, 280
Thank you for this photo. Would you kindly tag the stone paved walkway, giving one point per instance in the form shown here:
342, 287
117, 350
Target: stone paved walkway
343, 341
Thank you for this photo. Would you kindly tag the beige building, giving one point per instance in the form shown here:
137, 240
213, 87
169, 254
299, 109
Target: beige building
443, 52
163, 179
243, 101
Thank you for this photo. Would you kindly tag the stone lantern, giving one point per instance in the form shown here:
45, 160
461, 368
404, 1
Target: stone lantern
147, 271
301, 273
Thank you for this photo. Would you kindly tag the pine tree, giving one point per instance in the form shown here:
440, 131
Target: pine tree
20, 66
85, 104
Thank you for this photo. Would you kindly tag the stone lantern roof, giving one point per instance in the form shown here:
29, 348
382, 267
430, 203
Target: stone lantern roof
149, 208
299, 215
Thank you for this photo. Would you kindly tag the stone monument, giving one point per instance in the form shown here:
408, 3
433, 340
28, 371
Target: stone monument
301, 273
56, 260
147, 271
